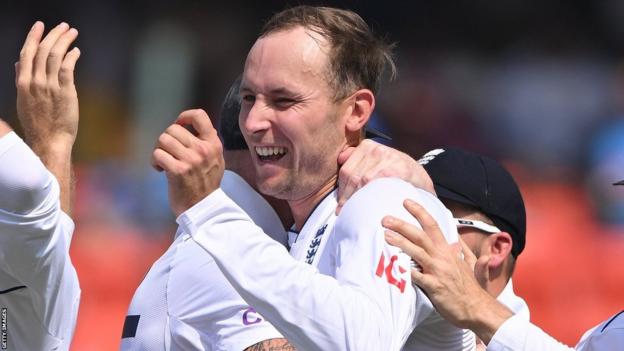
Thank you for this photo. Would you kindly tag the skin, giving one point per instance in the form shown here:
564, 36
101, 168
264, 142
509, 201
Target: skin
4, 128
496, 247
278, 344
288, 103
446, 277
47, 101
193, 164
239, 161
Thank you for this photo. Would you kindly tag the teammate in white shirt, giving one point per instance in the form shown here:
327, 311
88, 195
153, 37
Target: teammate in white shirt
163, 315
346, 288
39, 291
184, 301
450, 282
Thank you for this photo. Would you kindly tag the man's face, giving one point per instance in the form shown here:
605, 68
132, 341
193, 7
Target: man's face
288, 117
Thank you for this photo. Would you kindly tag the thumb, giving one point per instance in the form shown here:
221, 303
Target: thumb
197, 122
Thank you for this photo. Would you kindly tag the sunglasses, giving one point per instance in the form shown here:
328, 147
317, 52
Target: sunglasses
469, 223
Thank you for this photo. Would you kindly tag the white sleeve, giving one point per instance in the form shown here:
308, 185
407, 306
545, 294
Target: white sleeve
363, 308
24, 181
518, 334
35, 236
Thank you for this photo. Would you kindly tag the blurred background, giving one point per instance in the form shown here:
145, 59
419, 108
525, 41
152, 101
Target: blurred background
538, 85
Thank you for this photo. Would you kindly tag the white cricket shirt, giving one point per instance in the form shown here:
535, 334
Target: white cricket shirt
39, 291
606, 336
515, 303
344, 288
185, 302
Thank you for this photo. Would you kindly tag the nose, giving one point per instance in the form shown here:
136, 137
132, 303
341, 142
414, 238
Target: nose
256, 118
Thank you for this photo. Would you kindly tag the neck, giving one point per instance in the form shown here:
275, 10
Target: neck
496, 284
302, 208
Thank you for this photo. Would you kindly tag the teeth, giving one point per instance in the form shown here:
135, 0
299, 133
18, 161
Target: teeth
269, 151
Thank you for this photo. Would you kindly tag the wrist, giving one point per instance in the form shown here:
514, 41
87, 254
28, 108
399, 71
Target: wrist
486, 316
60, 144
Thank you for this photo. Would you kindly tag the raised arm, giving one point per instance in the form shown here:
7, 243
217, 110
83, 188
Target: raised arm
47, 102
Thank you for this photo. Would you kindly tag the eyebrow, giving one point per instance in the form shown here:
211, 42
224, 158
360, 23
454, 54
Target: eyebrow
281, 91
276, 91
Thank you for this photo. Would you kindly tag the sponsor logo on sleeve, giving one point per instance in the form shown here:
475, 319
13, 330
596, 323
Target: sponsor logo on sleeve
250, 317
388, 270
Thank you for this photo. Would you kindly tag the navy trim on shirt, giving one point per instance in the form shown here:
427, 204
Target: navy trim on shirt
611, 320
12, 289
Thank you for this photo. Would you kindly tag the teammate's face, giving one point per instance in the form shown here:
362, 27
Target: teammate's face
293, 127
474, 238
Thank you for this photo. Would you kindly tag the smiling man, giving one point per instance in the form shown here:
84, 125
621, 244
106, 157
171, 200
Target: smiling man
308, 90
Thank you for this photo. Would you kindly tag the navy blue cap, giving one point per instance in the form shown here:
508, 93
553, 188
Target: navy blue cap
479, 182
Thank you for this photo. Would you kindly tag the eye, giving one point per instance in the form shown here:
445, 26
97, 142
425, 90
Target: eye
284, 102
248, 98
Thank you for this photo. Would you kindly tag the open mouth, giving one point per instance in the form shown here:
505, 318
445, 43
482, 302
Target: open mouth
270, 153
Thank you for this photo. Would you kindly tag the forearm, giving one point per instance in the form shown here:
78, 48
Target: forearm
272, 345
313, 311
56, 156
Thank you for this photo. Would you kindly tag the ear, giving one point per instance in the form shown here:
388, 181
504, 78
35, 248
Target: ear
359, 109
500, 248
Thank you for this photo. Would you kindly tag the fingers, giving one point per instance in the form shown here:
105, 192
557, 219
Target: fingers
66, 74
411, 232
58, 53
413, 250
349, 176
469, 256
173, 146
345, 155
199, 120
428, 223
41, 57
46, 62
163, 161
28, 52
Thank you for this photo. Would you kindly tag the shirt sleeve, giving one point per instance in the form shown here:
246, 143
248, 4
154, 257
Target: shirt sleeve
35, 236
358, 309
518, 334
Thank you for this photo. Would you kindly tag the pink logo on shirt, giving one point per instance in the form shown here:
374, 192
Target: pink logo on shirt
382, 270
246, 317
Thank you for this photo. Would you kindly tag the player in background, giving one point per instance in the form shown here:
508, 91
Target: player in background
489, 213
344, 288
39, 290
449, 279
